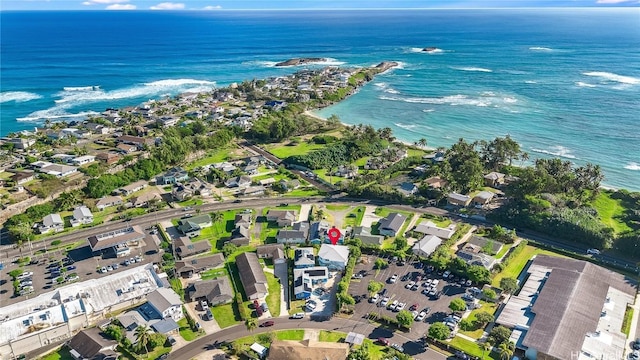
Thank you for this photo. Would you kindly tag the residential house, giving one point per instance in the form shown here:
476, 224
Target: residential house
126, 148
22, 177
240, 236
242, 219
252, 191
167, 121
289, 185
225, 167
318, 232
196, 265
251, 275
436, 182
282, 217
81, 160
429, 228
166, 302
364, 234
305, 278
58, 170
458, 199
267, 182
52, 222
242, 181
98, 128
108, 158
304, 258
92, 344
251, 169
191, 226
172, 176
144, 199
140, 142
62, 158
347, 171
131, 188
20, 143
108, 201
391, 225
215, 292
271, 251
426, 246
190, 188
186, 248
81, 216
476, 258
334, 257
494, 179
307, 350
482, 198
407, 188
482, 244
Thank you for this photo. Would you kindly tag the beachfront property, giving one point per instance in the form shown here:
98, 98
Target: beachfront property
494, 179
429, 228
334, 257
391, 224
51, 222
81, 216
569, 309
252, 277
53, 317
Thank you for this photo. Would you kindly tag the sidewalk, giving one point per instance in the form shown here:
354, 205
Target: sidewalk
633, 331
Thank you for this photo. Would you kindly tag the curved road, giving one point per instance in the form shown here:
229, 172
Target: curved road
202, 344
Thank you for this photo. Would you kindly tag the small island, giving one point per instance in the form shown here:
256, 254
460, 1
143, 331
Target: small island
300, 61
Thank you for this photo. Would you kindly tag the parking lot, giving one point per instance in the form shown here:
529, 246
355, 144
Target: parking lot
83, 264
324, 300
438, 308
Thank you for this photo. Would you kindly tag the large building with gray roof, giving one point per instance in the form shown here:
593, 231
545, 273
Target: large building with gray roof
569, 309
251, 275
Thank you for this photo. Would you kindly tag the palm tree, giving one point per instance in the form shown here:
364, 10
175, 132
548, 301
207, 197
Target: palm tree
67, 200
216, 218
142, 337
486, 346
251, 323
422, 142
506, 350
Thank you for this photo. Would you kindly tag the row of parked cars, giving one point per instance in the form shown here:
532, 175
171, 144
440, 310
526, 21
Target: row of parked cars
115, 266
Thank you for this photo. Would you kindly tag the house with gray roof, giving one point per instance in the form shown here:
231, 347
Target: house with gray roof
271, 251
334, 257
172, 176
304, 258
217, 291
364, 234
240, 236
252, 277
426, 246
482, 198
282, 217
186, 268
569, 309
458, 199
92, 344
483, 244
81, 216
290, 237
494, 179
430, 228
408, 188
391, 225
166, 302
108, 201
186, 248
51, 222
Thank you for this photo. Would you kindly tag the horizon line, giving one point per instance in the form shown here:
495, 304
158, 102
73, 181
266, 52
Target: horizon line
594, 7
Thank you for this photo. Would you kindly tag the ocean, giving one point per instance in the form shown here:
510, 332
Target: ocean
562, 82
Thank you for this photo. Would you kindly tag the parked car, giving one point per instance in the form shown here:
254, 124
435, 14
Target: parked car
115, 266
71, 267
299, 315
383, 292
446, 274
384, 301
636, 344
415, 287
103, 270
414, 307
26, 283
267, 323
393, 305
635, 355
400, 307
374, 298
593, 251
383, 341
421, 316
204, 305
397, 347
406, 277
24, 275
394, 278
410, 284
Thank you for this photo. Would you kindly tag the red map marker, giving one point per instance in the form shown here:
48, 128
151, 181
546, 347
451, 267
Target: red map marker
334, 235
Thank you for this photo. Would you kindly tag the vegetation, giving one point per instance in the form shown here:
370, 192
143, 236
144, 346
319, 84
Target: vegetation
626, 322
439, 331
374, 287
405, 319
457, 305
509, 285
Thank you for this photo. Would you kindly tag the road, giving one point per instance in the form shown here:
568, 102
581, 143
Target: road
337, 324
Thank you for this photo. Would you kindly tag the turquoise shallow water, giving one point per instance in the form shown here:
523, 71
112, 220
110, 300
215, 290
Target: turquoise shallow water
562, 83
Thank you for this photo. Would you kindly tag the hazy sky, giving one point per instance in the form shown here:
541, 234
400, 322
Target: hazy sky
213, 5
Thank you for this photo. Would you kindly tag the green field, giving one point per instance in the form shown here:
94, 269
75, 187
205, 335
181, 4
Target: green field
213, 157
334, 207
214, 273
284, 151
610, 211
354, 217
518, 263
226, 315
304, 192
377, 352
383, 212
273, 298
295, 335
486, 306
186, 332
61, 354
443, 223
331, 336
191, 202
472, 348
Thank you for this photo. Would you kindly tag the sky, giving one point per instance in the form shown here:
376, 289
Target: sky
217, 5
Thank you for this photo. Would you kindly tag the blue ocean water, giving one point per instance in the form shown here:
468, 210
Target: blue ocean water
561, 82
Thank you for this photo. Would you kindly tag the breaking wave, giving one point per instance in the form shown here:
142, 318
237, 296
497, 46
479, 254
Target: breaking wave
421, 50
55, 113
632, 166
473, 68
584, 84
557, 150
485, 99
540, 48
81, 88
18, 96
630, 80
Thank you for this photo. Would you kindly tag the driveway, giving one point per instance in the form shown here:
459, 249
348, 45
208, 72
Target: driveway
304, 212
369, 216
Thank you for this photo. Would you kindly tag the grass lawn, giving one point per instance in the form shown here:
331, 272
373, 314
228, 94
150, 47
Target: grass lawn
517, 264
296, 335
61, 354
287, 207
337, 207
360, 163
486, 306
376, 351
186, 332
610, 211
268, 232
304, 192
296, 306
322, 173
215, 156
226, 315
190, 202
284, 151
214, 273
157, 352
417, 152
472, 348
443, 223
383, 212
331, 336
354, 217
503, 251
626, 322
273, 298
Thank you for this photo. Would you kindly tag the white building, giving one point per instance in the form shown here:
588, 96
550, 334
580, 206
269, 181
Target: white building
81, 216
167, 303
81, 160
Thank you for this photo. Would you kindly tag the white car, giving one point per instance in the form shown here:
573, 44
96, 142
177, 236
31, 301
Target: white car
421, 316
393, 305
410, 284
446, 274
394, 278
593, 252
24, 275
384, 301
374, 298
415, 314
299, 315
435, 283
427, 283
400, 306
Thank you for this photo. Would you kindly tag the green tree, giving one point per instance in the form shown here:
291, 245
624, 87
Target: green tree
405, 319
484, 318
360, 353
251, 323
142, 338
21, 232
216, 218
374, 287
509, 285
400, 243
489, 294
380, 263
439, 331
478, 274
457, 305
229, 248
67, 200
422, 142
499, 334
506, 350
